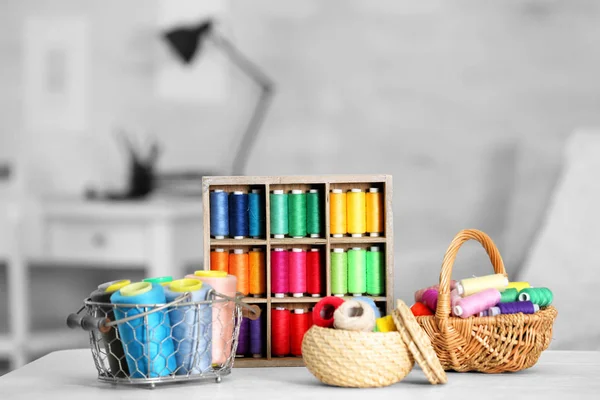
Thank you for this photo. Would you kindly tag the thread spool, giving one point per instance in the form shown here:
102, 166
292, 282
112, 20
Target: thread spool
279, 214
518, 285
477, 302
191, 328
297, 272
219, 260
419, 309
337, 213
243, 347
297, 213
322, 314
357, 212
313, 214
385, 324
256, 337
103, 286
357, 271
219, 214
354, 315
280, 332
371, 303
257, 272
161, 280
256, 214
339, 272
454, 297
238, 266
238, 215
280, 285
525, 307
298, 327
374, 206
419, 293
509, 295
313, 272
469, 286
540, 296
430, 299
375, 272
148, 355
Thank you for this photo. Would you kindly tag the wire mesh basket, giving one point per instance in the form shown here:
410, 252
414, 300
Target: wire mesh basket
149, 344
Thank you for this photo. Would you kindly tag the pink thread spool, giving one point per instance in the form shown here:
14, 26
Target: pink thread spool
430, 299
280, 284
419, 293
297, 272
476, 303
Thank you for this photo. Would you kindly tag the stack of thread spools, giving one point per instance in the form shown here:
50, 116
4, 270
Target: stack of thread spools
485, 296
296, 214
251, 340
247, 266
297, 271
237, 214
287, 330
357, 314
357, 271
355, 212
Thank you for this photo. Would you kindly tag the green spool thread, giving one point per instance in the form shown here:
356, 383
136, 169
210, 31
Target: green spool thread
339, 272
279, 213
357, 271
313, 213
509, 295
375, 272
541, 296
297, 213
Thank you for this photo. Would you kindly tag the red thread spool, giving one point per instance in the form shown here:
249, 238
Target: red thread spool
420, 309
313, 272
279, 273
310, 318
298, 327
280, 332
297, 272
323, 312
219, 260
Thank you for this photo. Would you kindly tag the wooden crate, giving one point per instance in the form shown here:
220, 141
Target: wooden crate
325, 183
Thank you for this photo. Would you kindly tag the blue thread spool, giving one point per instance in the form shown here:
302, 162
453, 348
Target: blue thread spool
192, 329
371, 303
256, 214
238, 215
219, 214
146, 340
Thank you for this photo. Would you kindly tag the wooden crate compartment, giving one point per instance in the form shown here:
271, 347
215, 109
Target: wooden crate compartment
287, 188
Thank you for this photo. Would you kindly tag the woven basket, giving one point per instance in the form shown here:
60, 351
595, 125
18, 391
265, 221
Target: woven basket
509, 342
356, 359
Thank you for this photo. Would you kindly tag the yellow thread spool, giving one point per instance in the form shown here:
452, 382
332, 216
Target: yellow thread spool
469, 286
256, 261
385, 324
518, 285
374, 212
357, 212
337, 213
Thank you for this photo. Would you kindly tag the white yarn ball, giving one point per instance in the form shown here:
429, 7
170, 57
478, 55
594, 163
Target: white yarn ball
354, 315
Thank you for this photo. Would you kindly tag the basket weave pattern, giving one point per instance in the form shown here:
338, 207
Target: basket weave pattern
356, 359
508, 342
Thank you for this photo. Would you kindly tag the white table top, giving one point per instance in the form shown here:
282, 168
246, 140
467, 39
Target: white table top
71, 374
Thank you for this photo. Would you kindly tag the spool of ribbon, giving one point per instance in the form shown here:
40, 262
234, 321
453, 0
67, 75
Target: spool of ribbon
354, 315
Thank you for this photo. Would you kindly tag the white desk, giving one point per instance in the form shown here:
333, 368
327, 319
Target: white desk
71, 374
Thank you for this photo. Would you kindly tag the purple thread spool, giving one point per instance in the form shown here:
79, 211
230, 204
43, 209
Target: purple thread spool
243, 346
256, 337
419, 293
515, 307
280, 284
476, 303
430, 299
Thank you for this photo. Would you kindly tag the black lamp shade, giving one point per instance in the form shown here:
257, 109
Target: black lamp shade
187, 41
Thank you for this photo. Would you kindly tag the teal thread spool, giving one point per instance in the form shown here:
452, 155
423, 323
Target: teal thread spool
357, 271
297, 213
339, 272
541, 296
375, 272
256, 213
509, 295
279, 214
313, 214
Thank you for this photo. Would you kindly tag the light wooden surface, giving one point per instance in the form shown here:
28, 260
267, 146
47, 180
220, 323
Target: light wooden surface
71, 375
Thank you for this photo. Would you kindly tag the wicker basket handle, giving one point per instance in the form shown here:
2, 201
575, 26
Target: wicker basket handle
443, 305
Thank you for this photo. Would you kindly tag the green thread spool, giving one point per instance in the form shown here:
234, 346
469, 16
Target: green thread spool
297, 213
375, 272
313, 213
339, 272
540, 296
279, 213
357, 271
509, 295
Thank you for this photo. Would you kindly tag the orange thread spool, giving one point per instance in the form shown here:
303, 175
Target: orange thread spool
238, 266
219, 260
374, 212
256, 261
337, 213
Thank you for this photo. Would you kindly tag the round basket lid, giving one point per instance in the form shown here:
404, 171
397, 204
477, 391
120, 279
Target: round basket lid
418, 343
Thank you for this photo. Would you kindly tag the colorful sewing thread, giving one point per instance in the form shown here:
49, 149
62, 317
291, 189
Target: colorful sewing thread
280, 332
339, 272
525, 307
419, 293
297, 272
337, 213
357, 212
243, 347
313, 214
313, 272
279, 214
256, 214
477, 302
297, 213
280, 284
540, 296
161, 280
374, 205
518, 285
469, 286
219, 260
375, 272
298, 327
509, 295
322, 314
256, 337
238, 266
354, 315
385, 324
257, 271
419, 309
238, 215
430, 299
357, 271
219, 214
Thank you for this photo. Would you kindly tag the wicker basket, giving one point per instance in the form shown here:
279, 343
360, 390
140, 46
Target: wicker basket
356, 359
509, 342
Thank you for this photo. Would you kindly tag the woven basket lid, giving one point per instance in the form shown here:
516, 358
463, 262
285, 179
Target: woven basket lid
418, 343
